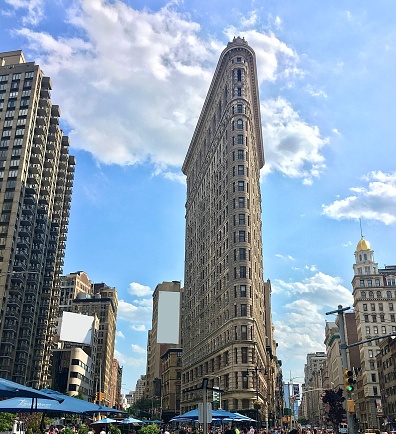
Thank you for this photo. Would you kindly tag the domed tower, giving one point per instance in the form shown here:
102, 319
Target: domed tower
372, 320
364, 260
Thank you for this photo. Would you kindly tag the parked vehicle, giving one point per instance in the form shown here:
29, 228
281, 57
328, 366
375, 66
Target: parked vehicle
343, 428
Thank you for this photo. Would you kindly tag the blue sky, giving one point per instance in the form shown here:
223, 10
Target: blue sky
131, 77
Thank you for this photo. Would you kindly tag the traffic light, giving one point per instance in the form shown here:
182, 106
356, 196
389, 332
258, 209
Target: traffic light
101, 396
97, 397
348, 380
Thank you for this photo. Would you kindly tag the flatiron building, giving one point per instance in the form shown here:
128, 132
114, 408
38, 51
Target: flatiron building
36, 179
227, 333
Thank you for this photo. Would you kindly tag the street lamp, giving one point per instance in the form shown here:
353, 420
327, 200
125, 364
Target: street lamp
291, 398
256, 370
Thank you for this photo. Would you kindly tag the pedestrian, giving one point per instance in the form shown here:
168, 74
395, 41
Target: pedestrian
103, 430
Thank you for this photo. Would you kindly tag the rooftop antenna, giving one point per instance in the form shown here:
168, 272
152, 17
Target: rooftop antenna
361, 231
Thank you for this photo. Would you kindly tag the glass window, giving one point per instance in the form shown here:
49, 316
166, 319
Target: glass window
372, 307
240, 139
371, 294
390, 306
367, 330
241, 202
242, 236
388, 294
240, 154
365, 307
242, 253
375, 330
241, 170
239, 124
241, 219
243, 332
243, 310
241, 185
243, 290
362, 283
239, 75
242, 271
363, 294
239, 91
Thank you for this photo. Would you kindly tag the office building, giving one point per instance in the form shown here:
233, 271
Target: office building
171, 383
156, 345
36, 179
374, 295
225, 311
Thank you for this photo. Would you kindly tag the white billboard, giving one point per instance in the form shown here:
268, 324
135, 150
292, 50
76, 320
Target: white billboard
168, 317
76, 328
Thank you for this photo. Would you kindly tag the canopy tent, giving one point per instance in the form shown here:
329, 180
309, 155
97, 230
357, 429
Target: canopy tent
105, 421
10, 389
152, 421
51, 405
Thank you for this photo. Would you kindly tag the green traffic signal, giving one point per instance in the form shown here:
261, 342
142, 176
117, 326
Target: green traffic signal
348, 380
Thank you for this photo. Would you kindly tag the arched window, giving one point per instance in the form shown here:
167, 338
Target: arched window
365, 256
371, 294
239, 124
388, 294
379, 295
363, 294
360, 257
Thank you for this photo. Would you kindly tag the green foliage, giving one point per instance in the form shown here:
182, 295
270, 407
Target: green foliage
149, 429
302, 421
114, 430
6, 421
67, 430
83, 429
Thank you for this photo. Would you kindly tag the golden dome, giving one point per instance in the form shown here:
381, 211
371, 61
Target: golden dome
363, 245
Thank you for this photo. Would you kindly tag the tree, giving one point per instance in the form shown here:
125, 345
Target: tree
6, 421
335, 411
149, 429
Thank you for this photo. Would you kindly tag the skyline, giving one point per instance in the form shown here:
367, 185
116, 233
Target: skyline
326, 101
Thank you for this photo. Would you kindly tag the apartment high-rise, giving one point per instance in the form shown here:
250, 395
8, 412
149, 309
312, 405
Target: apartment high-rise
36, 179
225, 309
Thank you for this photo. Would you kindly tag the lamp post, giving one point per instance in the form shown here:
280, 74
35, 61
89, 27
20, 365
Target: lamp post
256, 370
290, 383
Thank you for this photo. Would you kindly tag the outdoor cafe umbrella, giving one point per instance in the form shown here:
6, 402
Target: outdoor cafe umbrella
105, 421
10, 389
132, 421
51, 405
192, 415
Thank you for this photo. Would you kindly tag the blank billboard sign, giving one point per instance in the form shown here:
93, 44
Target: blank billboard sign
76, 328
168, 317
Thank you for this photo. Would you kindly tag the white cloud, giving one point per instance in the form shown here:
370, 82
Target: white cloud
119, 334
138, 349
315, 92
287, 257
34, 10
299, 329
139, 290
321, 290
375, 201
134, 314
130, 361
250, 20
292, 147
138, 327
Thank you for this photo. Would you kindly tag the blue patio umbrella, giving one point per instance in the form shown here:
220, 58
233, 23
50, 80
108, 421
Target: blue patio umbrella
132, 421
10, 389
51, 405
105, 421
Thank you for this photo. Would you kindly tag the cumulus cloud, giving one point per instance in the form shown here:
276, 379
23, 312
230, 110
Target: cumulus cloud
138, 363
321, 290
134, 313
299, 329
119, 334
128, 105
139, 290
375, 201
138, 349
292, 146
32, 11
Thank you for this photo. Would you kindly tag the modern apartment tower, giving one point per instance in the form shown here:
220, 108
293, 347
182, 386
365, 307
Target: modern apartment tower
36, 179
225, 311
